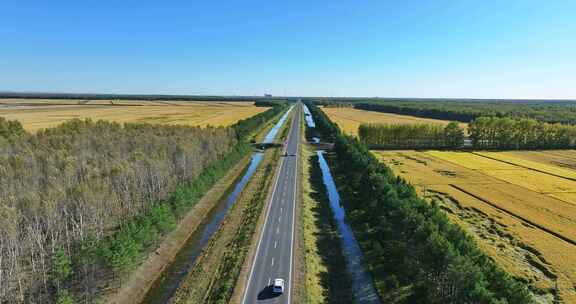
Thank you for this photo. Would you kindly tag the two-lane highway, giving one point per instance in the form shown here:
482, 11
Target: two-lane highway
275, 249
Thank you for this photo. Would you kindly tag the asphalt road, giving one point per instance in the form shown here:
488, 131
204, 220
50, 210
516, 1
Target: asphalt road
275, 249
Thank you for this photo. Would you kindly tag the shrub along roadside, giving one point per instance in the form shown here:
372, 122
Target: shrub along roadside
414, 253
124, 248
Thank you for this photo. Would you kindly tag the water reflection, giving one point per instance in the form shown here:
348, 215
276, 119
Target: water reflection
362, 283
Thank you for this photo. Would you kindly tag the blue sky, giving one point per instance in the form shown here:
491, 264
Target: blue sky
403, 48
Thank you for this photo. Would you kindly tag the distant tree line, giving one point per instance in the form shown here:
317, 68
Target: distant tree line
411, 136
414, 253
507, 133
552, 112
81, 204
268, 103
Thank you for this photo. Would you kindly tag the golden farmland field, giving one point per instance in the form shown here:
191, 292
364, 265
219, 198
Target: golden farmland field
349, 119
506, 207
36, 114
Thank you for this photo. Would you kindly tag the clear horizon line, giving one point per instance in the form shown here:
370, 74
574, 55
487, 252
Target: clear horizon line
62, 93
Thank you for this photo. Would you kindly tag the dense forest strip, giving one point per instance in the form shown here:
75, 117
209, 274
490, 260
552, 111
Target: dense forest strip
413, 252
83, 202
463, 111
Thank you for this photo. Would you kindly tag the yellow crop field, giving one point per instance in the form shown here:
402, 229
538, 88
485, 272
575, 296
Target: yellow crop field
537, 176
532, 164
38, 114
349, 119
530, 233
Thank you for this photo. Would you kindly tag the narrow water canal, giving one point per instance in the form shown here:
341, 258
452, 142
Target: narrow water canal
272, 133
165, 286
362, 283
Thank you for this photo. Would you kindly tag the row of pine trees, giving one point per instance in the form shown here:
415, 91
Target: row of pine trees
411, 136
494, 133
508, 133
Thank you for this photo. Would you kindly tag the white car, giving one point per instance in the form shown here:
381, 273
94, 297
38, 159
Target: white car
278, 286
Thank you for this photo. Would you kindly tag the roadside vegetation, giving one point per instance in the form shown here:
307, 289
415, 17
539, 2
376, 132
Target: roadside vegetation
414, 136
82, 203
414, 253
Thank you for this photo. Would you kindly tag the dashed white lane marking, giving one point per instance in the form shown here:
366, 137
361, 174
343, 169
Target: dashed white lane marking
269, 281
277, 230
280, 209
279, 217
272, 262
275, 244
